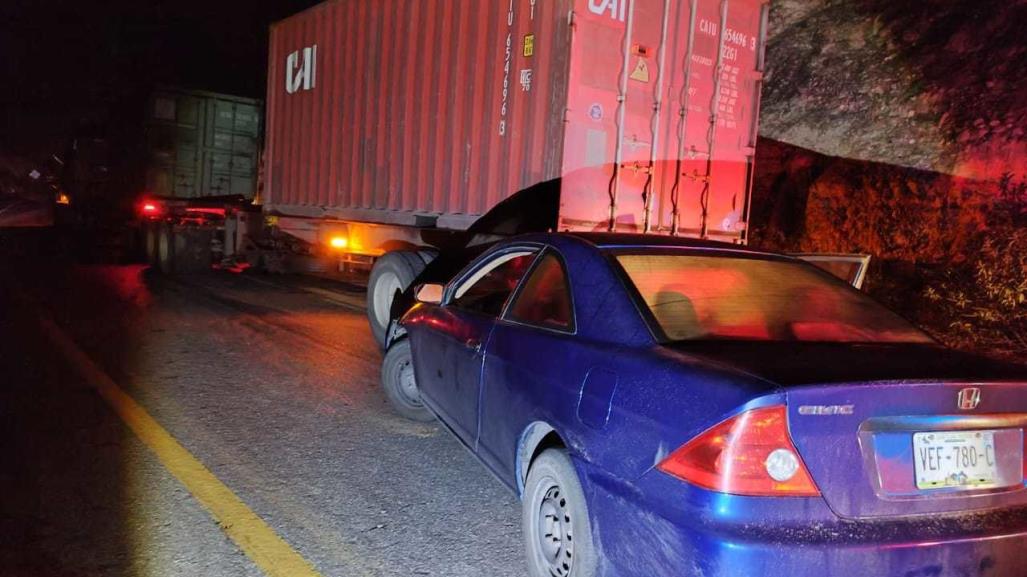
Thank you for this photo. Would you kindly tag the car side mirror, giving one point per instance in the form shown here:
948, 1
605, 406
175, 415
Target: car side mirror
429, 293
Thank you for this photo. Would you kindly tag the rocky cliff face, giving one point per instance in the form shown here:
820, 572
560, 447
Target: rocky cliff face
938, 85
897, 128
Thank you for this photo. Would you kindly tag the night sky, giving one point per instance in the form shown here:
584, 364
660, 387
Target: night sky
69, 62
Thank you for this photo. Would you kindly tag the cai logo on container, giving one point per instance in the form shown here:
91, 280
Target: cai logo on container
301, 70
617, 9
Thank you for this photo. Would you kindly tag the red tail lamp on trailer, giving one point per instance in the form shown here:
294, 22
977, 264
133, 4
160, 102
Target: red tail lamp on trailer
149, 208
748, 454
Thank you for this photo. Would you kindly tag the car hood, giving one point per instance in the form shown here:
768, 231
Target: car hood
794, 364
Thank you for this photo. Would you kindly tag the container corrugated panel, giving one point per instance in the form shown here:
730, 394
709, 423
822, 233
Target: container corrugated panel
202, 144
386, 110
396, 110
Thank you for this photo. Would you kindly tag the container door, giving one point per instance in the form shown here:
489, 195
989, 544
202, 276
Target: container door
711, 143
186, 181
229, 162
244, 150
615, 79
662, 109
217, 173
217, 159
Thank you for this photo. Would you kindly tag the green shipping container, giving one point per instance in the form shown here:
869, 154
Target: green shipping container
202, 144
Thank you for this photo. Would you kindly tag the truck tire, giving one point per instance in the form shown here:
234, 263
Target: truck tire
192, 249
183, 250
427, 255
392, 272
399, 384
165, 256
150, 242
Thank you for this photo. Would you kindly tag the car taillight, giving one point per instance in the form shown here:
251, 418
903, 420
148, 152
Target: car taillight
748, 454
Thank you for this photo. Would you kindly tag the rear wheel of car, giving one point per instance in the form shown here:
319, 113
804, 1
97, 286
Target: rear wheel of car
400, 385
393, 272
556, 526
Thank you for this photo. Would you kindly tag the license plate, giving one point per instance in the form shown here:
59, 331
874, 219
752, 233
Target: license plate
955, 459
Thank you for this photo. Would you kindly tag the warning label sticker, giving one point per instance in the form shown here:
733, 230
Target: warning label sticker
641, 71
529, 45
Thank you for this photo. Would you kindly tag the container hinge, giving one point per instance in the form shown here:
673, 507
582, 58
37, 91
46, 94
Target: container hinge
638, 167
696, 176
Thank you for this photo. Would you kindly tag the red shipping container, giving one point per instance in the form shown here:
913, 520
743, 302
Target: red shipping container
429, 112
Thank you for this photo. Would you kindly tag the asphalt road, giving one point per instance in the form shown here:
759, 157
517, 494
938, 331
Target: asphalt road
270, 383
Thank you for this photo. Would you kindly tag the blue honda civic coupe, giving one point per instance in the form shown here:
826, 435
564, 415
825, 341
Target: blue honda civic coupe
666, 406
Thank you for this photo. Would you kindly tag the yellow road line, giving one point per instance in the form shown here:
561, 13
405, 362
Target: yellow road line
259, 541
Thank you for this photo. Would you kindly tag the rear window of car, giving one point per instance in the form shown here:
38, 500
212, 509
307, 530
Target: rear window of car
700, 297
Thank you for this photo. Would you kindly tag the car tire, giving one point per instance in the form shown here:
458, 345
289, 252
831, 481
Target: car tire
400, 385
393, 271
555, 522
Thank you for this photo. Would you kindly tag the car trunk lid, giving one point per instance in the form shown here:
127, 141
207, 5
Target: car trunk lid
789, 364
854, 409
901, 448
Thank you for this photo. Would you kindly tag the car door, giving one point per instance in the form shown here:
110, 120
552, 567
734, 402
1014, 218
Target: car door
851, 268
531, 357
449, 345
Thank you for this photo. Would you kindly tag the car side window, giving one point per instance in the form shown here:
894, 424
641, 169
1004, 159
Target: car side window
545, 299
487, 290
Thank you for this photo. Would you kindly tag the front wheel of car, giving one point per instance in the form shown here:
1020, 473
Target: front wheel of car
556, 526
400, 385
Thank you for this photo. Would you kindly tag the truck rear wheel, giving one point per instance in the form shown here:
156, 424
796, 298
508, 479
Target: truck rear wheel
192, 249
392, 273
150, 242
165, 248
183, 250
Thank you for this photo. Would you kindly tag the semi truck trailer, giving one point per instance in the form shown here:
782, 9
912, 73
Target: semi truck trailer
392, 126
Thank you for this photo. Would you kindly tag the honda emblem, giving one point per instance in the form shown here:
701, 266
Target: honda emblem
969, 398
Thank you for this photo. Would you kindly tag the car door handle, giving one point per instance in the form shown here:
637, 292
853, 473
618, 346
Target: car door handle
473, 344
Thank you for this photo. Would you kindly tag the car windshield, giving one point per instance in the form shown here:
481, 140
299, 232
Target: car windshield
697, 297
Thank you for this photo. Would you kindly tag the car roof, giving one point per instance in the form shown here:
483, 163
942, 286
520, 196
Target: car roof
614, 240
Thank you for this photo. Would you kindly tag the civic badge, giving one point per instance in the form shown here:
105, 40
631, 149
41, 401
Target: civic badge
969, 398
